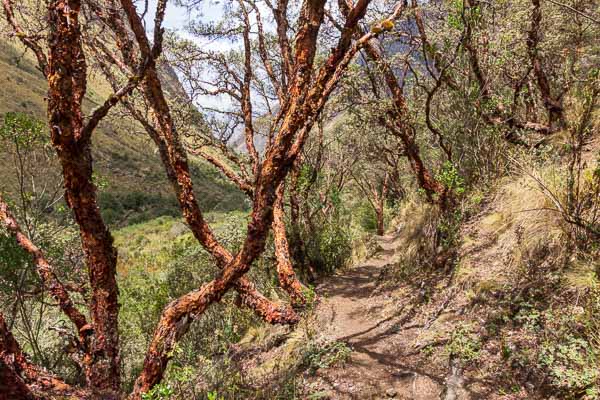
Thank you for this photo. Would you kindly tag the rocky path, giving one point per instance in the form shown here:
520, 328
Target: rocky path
384, 363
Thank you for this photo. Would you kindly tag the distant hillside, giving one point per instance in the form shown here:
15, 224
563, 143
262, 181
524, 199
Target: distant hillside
136, 186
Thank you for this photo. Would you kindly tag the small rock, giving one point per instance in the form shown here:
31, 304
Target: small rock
391, 392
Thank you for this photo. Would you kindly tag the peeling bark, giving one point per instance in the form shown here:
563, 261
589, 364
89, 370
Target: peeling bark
47, 275
285, 271
274, 168
399, 127
29, 41
67, 86
66, 75
177, 315
21, 380
162, 132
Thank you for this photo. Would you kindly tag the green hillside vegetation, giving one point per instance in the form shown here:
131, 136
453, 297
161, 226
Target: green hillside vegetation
133, 186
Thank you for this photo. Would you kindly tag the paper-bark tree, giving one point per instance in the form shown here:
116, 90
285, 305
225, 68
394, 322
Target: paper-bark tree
180, 178
254, 72
552, 102
399, 124
308, 91
64, 65
383, 83
376, 193
475, 40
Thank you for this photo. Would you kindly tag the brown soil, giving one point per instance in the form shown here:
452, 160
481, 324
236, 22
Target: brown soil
386, 361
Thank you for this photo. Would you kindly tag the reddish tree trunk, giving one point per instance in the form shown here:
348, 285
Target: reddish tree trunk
400, 127
19, 379
47, 275
66, 74
175, 317
14, 368
285, 270
287, 277
305, 102
67, 85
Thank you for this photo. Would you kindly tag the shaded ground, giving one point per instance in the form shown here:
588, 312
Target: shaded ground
386, 360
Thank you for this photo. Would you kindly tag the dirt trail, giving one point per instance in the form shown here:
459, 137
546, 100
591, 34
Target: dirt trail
385, 361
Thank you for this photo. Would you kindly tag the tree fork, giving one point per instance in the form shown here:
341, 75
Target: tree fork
399, 126
67, 86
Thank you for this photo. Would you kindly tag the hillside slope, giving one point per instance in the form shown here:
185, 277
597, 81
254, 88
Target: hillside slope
137, 187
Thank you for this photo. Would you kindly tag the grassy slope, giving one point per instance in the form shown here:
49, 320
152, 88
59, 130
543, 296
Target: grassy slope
136, 188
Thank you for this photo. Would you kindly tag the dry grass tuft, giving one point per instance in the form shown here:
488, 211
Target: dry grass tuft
517, 221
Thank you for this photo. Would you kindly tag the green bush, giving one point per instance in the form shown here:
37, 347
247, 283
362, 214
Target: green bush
322, 356
135, 206
367, 217
329, 248
449, 177
159, 392
23, 130
464, 344
152, 277
570, 364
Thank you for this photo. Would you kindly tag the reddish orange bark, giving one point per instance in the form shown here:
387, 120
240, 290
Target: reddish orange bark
176, 316
176, 165
400, 126
278, 160
67, 85
66, 74
47, 274
21, 380
285, 271
170, 149
240, 182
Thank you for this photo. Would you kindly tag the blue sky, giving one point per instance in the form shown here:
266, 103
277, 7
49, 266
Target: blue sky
176, 18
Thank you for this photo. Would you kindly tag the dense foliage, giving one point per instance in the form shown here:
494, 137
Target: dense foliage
465, 130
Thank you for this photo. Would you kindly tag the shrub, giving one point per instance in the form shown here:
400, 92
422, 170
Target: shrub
570, 364
321, 356
329, 248
464, 344
367, 217
135, 206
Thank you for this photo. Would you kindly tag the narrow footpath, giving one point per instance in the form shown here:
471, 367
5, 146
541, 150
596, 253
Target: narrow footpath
386, 361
